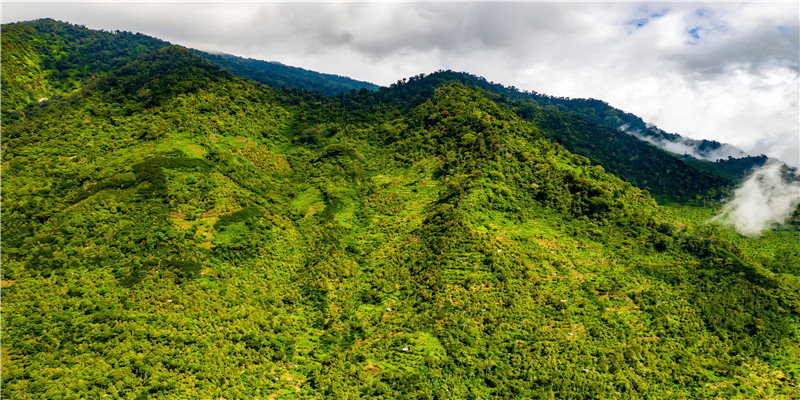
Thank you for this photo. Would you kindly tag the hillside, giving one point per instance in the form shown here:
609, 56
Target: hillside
45, 59
173, 231
724, 162
666, 176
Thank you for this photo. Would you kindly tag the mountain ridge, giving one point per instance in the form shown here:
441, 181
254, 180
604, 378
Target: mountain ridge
602, 113
279, 75
62, 66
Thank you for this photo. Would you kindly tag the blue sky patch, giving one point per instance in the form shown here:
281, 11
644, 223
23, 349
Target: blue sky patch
638, 23
706, 24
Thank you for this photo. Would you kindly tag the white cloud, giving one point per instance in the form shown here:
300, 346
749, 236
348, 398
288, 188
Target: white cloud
763, 200
721, 71
684, 146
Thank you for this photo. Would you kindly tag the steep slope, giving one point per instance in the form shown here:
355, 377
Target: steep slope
44, 59
283, 76
714, 165
734, 169
110, 209
666, 176
602, 113
171, 231
47, 58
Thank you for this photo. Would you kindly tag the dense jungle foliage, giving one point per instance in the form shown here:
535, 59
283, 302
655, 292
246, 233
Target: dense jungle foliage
173, 231
46, 59
597, 116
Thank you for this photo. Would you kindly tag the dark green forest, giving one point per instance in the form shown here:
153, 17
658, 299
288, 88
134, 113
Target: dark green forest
173, 231
280, 76
48, 59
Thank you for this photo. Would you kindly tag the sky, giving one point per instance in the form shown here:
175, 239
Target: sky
721, 71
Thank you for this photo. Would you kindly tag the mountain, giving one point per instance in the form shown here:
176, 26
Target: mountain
603, 115
664, 175
278, 75
171, 230
46, 59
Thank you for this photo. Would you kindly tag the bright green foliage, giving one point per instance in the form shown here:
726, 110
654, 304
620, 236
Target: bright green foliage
45, 59
171, 231
592, 129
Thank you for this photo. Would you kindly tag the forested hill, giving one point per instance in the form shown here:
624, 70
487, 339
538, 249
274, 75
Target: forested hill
666, 176
45, 59
603, 115
173, 231
283, 76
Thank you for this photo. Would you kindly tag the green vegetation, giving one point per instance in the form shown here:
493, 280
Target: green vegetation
46, 59
279, 76
732, 168
593, 129
172, 231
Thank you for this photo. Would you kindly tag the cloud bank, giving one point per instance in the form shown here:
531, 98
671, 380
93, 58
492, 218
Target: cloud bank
762, 201
721, 71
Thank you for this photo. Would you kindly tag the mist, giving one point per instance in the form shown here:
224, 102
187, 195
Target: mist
683, 146
763, 200
686, 146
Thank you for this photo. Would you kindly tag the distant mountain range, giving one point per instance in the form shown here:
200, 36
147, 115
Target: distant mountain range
278, 75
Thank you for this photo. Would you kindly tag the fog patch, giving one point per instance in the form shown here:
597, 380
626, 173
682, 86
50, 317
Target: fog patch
690, 147
684, 146
765, 199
